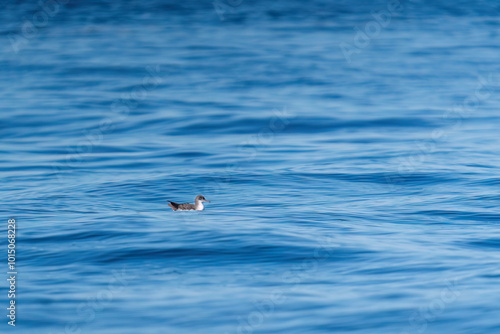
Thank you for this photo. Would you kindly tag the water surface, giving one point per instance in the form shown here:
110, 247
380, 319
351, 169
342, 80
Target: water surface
350, 194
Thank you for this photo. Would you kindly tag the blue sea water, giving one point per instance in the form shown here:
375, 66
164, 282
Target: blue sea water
350, 150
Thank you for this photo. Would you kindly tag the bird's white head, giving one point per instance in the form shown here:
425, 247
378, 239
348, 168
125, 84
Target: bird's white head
198, 202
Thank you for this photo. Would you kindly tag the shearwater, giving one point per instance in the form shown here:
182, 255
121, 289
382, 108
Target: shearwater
198, 204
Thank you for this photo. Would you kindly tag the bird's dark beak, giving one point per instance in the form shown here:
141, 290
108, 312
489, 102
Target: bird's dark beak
207, 201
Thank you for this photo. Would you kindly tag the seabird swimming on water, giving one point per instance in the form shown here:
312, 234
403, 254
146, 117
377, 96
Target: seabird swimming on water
198, 204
